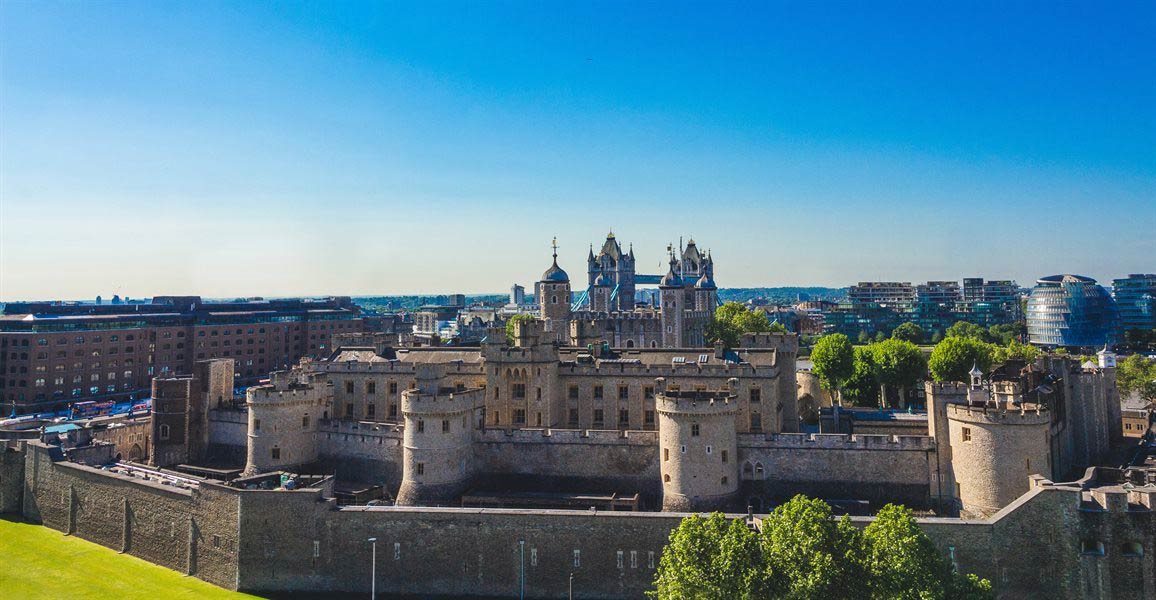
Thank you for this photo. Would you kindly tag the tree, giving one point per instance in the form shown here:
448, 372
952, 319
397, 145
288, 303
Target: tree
880, 336
732, 320
908, 332
1007, 333
953, 358
710, 558
512, 323
833, 358
809, 554
802, 552
899, 364
936, 336
862, 389
864, 337
1137, 374
964, 329
902, 562
1014, 351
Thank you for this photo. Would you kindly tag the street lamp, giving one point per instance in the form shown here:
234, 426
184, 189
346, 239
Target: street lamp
522, 576
373, 570
570, 595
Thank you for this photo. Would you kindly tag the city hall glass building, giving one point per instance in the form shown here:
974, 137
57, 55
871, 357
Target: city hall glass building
1070, 310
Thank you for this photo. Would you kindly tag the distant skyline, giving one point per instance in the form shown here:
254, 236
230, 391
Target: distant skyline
285, 149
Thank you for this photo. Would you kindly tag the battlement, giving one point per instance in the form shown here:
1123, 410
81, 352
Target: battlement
446, 400
946, 388
569, 436
269, 394
836, 441
636, 368
696, 402
372, 428
590, 315
987, 414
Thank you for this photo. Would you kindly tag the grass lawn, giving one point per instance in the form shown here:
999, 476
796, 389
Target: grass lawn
38, 562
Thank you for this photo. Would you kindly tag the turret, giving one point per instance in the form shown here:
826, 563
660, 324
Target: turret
554, 300
437, 453
697, 448
283, 416
671, 295
600, 294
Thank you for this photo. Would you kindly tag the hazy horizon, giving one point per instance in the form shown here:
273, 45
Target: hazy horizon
229, 149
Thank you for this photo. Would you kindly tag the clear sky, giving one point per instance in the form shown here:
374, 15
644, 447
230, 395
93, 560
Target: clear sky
258, 148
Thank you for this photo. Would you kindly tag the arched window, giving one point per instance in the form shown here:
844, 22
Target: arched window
164, 432
759, 470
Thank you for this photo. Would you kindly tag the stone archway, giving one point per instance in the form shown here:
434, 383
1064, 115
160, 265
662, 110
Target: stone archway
135, 454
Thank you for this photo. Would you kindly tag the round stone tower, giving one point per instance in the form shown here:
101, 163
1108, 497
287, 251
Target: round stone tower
283, 416
437, 453
697, 448
996, 445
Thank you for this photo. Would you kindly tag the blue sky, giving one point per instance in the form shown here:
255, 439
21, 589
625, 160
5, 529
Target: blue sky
344, 148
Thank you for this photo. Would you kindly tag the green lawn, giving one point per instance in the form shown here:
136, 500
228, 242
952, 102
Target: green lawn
38, 562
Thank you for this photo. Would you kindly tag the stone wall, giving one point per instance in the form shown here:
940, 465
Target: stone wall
191, 531
838, 467
11, 477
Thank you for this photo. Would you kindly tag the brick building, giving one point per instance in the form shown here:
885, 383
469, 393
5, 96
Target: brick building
52, 354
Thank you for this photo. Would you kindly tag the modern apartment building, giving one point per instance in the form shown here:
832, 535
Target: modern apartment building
52, 354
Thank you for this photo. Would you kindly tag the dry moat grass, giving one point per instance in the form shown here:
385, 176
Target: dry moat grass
39, 562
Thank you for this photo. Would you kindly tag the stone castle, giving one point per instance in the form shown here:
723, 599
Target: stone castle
607, 310
577, 450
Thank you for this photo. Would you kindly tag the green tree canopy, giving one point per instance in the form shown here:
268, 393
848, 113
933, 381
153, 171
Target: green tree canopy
964, 329
1137, 374
802, 552
902, 562
861, 389
834, 361
810, 554
512, 322
909, 332
1007, 333
1014, 351
711, 558
732, 320
897, 363
953, 358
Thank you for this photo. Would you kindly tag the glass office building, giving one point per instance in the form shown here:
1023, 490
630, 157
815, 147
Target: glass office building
1070, 310
1136, 300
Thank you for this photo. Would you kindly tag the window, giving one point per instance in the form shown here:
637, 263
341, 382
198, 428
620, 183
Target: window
393, 411
370, 411
574, 417
420, 426
393, 387
445, 426
724, 455
967, 434
348, 387
519, 390
420, 467
349, 410
623, 392
756, 422
256, 424
756, 395
598, 417
648, 392
577, 558
694, 429
619, 559
666, 478
665, 454
724, 481
573, 392
305, 422
519, 416
370, 387
623, 417
1133, 549
497, 416
597, 392
276, 453
164, 432
1092, 548
648, 418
